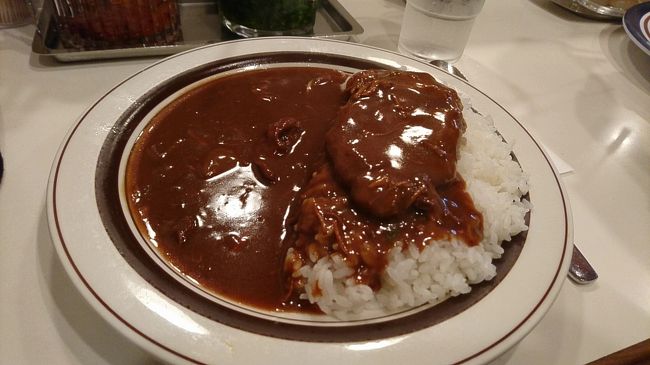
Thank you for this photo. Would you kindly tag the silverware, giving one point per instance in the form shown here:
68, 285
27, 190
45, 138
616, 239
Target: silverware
580, 271
448, 68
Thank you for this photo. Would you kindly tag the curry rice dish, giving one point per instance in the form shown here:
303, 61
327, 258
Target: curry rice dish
309, 189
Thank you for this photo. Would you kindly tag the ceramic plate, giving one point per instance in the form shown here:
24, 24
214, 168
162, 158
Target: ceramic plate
152, 307
636, 22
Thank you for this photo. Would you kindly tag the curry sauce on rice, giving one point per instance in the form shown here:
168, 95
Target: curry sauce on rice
308, 189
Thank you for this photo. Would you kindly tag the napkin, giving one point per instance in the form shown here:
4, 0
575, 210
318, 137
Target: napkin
562, 166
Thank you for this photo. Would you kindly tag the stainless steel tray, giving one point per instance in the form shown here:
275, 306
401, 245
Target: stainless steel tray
200, 24
590, 9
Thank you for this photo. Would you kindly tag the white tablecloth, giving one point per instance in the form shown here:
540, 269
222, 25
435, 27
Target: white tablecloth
581, 86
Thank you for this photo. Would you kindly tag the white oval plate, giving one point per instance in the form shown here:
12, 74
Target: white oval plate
112, 283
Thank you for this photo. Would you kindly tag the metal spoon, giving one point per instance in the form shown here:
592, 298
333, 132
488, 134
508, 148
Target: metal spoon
448, 68
580, 271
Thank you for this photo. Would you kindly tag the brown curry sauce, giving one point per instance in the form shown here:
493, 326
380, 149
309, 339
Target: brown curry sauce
229, 176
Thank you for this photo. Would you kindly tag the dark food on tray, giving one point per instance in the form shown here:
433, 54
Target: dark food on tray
90, 25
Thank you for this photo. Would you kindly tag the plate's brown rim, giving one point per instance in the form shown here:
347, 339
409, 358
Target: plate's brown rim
153, 341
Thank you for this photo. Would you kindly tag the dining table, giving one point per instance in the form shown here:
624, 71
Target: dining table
579, 85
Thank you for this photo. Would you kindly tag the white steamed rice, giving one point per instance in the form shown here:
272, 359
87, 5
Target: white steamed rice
443, 269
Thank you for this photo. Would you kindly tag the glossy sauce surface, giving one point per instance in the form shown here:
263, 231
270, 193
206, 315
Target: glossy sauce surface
391, 180
396, 140
228, 177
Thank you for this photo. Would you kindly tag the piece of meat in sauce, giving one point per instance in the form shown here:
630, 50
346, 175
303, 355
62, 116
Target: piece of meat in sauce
390, 179
396, 140
328, 224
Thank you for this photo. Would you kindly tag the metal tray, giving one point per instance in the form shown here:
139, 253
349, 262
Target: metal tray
200, 24
591, 9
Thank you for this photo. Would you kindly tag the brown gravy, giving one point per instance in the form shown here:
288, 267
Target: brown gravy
229, 176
